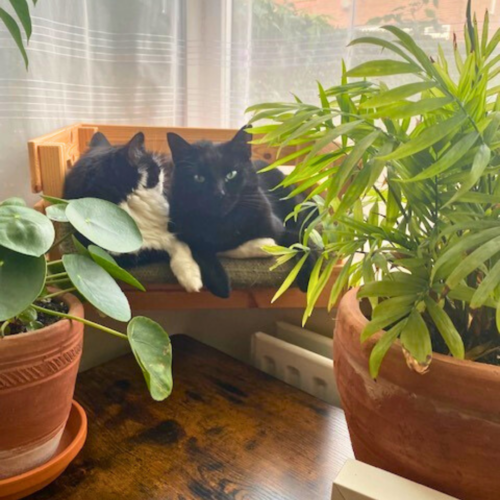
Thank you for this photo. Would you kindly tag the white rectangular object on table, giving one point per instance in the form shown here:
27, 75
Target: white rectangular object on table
296, 366
359, 481
305, 338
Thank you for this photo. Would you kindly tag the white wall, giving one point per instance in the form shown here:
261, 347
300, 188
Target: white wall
227, 330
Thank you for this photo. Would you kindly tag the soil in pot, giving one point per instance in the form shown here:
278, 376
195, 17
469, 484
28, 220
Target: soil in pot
42, 320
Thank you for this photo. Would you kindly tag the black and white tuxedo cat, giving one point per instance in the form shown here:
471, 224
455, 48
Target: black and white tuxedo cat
218, 202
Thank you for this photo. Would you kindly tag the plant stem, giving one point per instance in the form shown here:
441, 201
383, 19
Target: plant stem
382, 197
53, 262
4, 327
60, 292
56, 276
402, 209
54, 282
81, 320
436, 202
61, 239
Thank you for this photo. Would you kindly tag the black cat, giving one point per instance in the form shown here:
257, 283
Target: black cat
218, 202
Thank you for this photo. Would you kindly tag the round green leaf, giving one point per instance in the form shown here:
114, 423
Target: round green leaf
153, 352
25, 230
34, 325
97, 286
105, 224
22, 278
28, 315
13, 201
109, 264
57, 212
82, 250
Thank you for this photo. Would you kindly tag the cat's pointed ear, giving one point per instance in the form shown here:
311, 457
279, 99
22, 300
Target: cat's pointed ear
135, 147
179, 147
98, 140
240, 143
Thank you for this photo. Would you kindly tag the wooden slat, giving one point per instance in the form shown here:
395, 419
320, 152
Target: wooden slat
84, 136
76, 137
159, 297
173, 297
53, 165
35, 173
67, 136
156, 138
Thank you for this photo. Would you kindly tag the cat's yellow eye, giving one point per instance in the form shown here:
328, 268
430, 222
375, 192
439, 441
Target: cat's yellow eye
231, 175
199, 178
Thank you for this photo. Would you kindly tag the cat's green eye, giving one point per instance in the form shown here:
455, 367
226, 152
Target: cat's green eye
199, 178
231, 175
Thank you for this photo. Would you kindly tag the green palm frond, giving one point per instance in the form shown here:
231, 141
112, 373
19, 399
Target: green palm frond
411, 191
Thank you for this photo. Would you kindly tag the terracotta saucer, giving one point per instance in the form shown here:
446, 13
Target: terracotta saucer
72, 441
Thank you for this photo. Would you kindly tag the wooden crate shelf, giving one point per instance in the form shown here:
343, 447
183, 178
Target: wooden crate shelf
53, 154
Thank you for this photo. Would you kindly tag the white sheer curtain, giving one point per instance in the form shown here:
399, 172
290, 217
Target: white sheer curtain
189, 62
280, 46
113, 61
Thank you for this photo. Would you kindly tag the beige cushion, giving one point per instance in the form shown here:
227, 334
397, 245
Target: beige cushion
243, 273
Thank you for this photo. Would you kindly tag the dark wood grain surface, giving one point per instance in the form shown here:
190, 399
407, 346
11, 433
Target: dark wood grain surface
227, 432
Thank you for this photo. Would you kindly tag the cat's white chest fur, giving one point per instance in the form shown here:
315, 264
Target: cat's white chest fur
150, 210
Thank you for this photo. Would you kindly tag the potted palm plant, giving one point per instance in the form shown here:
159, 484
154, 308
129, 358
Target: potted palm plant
411, 202
41, 322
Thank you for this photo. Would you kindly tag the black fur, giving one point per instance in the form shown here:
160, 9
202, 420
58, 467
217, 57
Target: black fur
112, 173
212, 212
210, 216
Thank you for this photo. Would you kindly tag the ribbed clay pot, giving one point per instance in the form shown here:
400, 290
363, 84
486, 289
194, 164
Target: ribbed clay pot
37, 380
441, 429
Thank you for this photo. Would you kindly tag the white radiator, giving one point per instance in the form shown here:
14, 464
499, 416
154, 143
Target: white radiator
295, 364
304, 338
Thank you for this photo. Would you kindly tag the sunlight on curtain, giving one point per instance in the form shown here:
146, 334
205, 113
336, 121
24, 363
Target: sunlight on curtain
281, 47
118, 61
190, 62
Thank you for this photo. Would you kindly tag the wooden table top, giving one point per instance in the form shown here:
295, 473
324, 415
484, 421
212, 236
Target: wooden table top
228, 431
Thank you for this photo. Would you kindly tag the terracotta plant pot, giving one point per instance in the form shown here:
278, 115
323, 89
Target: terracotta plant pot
37, 380
441, 429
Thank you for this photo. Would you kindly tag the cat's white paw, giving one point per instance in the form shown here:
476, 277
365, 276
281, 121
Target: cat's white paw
187, 272
252, 249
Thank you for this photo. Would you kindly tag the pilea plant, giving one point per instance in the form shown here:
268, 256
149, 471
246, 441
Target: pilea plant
410, 192
31, 285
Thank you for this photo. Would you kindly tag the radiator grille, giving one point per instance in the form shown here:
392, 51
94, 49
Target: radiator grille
295, 364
